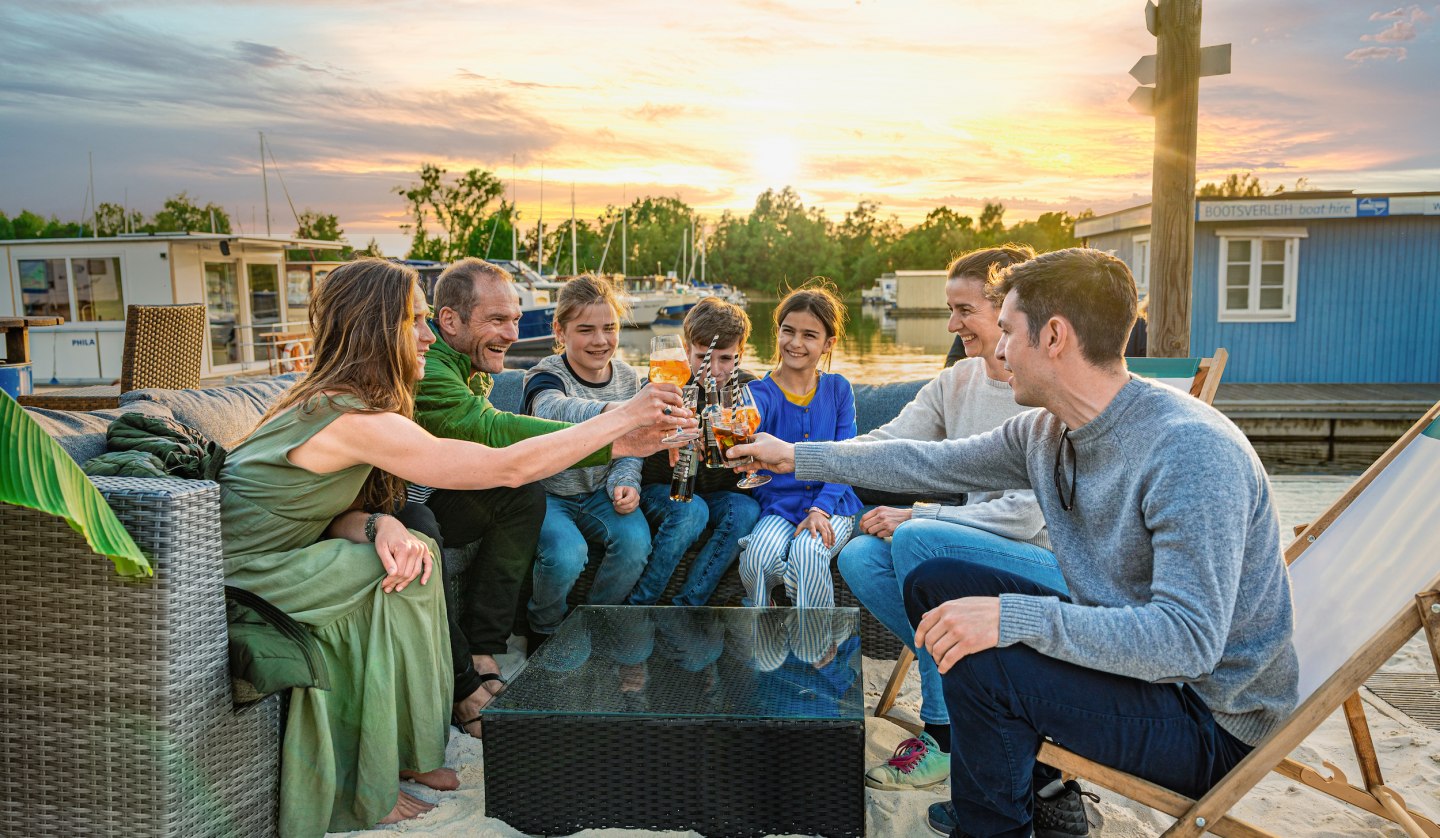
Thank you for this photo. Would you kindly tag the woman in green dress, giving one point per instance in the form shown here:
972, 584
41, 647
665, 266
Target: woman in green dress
297, 510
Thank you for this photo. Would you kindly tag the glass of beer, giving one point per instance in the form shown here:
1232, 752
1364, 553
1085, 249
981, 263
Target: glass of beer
668, 365
744, 423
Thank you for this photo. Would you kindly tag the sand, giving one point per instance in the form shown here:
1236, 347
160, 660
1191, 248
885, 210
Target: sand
1409, 755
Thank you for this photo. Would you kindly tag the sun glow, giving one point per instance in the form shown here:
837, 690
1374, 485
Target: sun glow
776, 161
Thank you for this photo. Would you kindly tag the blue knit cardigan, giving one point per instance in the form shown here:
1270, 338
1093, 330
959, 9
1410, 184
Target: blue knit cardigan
830, 417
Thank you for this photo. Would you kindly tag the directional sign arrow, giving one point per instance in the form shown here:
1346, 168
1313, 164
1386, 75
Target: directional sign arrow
1144, 69
1214, 61
1143, 100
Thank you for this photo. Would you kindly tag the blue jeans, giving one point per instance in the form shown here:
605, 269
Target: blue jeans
1004, 701
730, 516
571, 525
875, 570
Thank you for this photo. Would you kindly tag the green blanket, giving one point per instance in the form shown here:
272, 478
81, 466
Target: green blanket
36, 473
156, 446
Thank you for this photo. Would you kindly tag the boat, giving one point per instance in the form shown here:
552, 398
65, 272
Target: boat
882, 293
537, 298
643, 308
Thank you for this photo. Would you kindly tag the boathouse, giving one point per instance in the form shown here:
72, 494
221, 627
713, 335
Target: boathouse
1306, 287
250, 293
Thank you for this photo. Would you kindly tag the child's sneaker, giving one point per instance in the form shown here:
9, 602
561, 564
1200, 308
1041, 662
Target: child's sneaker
917, 764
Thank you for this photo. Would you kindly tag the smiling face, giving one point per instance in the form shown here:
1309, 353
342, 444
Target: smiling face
419, 323
493, 325
723, 360
802, 341
590, 338
973, 318
1026, 360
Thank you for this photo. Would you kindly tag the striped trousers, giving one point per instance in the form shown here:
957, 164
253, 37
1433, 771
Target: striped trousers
774, 555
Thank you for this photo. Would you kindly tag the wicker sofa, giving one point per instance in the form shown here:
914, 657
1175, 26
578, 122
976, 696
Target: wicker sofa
117, 714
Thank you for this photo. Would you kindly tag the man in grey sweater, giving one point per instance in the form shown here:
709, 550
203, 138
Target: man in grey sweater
1172, 656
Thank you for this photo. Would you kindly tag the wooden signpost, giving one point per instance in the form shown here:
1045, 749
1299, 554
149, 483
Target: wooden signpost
1175, 68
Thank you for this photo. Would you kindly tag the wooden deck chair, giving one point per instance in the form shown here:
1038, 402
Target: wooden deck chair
1364, 578
1200, 377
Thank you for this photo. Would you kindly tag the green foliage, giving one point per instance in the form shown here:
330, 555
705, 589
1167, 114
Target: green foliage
29, 225
1234, 186
113, 219
51, 482
779, 244
319, 226
459, 208
181, 213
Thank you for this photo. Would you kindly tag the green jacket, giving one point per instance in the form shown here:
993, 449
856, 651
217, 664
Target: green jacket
453, 401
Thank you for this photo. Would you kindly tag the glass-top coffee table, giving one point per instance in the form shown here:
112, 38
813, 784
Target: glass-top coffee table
725, 721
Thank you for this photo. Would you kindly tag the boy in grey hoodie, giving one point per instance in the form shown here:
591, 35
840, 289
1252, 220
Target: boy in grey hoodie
1172, 656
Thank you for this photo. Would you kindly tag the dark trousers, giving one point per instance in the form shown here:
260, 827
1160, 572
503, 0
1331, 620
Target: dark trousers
507, 524
1003, 702
420, 518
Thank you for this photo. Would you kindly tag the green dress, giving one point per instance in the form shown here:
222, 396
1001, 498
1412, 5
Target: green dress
388, 654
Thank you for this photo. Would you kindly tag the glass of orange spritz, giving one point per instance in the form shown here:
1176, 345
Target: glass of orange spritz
668, 365
744, 423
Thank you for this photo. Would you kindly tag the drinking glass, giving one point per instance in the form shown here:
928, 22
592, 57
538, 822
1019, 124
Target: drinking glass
744, 423
668, 365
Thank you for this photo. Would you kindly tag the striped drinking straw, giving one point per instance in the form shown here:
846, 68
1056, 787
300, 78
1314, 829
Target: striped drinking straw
705, 363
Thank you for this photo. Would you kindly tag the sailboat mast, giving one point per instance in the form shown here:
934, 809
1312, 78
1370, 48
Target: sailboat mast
94, 233
540, 228
574, 268
265, 182
514, 230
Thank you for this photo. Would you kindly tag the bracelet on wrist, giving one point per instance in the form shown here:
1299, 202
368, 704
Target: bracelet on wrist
371, 522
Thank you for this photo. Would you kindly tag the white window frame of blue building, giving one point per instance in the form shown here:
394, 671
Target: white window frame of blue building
1263, 289
1140, 263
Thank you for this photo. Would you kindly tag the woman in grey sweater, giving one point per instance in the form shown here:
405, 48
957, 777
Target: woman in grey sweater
1005, 528
589, 505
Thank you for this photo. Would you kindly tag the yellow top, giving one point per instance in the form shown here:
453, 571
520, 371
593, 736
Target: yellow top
801, 400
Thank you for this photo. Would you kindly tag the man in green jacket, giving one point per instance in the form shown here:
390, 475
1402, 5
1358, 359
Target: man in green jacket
477, 315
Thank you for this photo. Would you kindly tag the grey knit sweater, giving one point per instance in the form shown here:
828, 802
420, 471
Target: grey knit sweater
959, 402
1171, 549
553, 391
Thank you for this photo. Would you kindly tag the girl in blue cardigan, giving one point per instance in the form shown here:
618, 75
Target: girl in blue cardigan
803, 524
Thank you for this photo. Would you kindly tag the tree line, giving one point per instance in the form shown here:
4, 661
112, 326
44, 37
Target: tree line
779, 242
179, 214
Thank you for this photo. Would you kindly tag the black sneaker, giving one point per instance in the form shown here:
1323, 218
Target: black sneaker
1060, 810
942, 819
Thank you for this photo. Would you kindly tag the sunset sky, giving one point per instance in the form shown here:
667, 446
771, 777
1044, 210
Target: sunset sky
913, 103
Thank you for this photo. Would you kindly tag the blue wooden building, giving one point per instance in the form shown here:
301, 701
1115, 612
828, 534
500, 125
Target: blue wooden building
1309, 287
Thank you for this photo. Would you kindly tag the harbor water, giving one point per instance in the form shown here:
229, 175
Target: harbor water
880, 347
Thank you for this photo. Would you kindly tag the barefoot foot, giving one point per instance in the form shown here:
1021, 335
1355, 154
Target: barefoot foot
407, 807
441, 779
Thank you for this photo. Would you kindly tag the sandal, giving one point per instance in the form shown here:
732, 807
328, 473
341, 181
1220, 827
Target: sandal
484, 678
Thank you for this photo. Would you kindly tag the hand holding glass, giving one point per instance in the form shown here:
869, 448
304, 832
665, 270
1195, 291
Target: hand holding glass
744, 422
669, 366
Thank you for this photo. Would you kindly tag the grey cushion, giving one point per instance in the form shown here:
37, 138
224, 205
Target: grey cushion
82, 435
225, 414
876, 404
508, 388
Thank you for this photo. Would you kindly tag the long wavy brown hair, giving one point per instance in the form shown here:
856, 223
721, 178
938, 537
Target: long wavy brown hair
361, 318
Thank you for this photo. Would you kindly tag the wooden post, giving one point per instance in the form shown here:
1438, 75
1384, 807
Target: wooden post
1172, 206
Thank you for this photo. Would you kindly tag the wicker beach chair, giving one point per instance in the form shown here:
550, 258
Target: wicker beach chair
1364, 581
1200, 377
164, 347
116, 715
